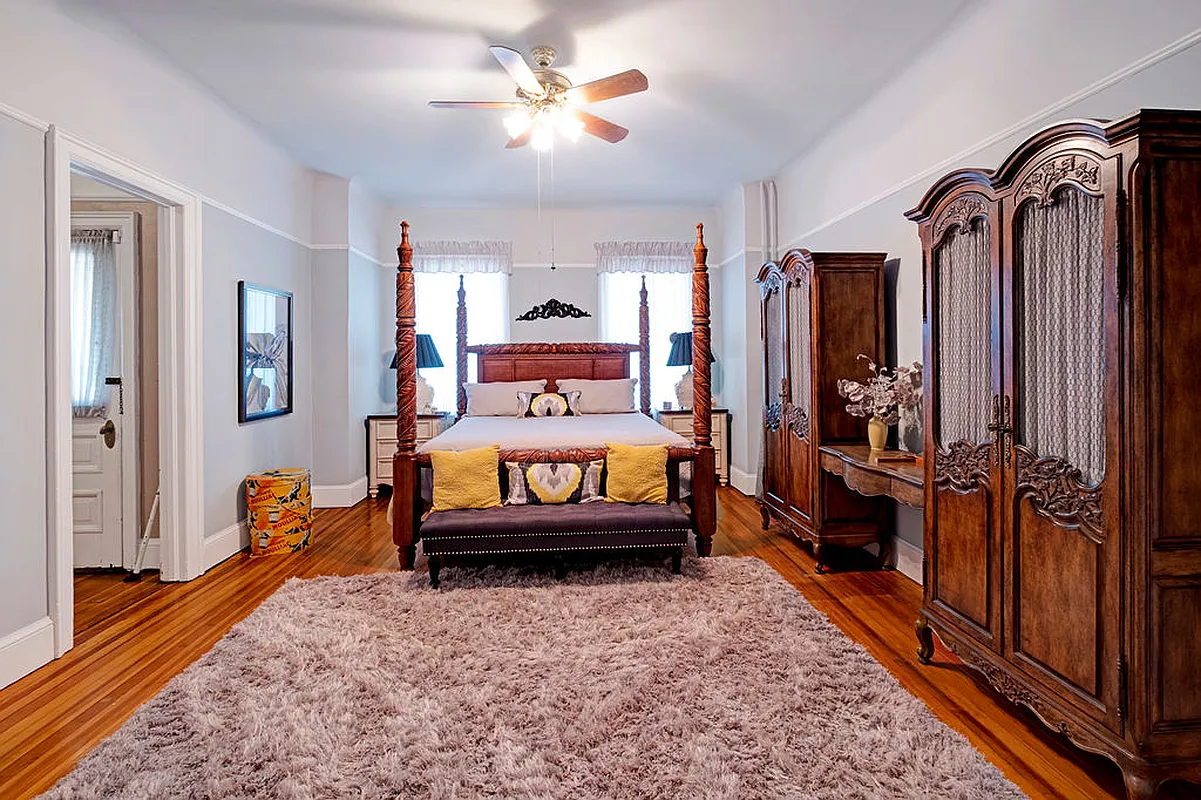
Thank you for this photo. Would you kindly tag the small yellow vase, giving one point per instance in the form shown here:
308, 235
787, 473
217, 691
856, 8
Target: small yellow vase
877, 433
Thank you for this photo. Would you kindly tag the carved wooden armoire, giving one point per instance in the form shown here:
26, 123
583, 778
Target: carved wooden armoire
1062, 323
820, 312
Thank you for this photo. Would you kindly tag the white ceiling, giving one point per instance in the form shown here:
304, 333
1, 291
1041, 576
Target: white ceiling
737, 87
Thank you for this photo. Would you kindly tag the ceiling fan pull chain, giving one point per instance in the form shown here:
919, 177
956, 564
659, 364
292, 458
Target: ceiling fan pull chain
552, 208
538, 153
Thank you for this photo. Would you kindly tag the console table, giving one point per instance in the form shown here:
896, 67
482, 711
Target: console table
863, 472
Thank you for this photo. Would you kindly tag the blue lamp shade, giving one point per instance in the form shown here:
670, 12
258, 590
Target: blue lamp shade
427, 354
681, 350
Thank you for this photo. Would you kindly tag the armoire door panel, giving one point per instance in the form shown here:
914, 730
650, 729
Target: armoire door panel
1176, 620
1178, 237
775, 472
845, 323
961, 548
1058, 598
800, 476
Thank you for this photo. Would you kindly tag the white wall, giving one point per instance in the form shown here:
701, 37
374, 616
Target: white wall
23, 592
60, 66
236, 250
1006, 69
63, 65
740, 355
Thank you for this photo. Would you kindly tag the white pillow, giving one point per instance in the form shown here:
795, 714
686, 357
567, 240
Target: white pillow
602, 397
497, 399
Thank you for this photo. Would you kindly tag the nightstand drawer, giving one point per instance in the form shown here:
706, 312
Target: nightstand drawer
381, 444
427, 429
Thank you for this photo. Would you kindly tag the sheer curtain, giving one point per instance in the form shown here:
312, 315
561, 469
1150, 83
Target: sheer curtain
485, 268
668, 270
94, 328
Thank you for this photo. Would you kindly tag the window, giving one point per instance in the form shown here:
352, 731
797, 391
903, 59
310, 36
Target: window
93, 319
669, 297
437, 315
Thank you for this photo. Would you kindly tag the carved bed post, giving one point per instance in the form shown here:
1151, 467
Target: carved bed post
405, 495
704, 478
644, 348
461, 350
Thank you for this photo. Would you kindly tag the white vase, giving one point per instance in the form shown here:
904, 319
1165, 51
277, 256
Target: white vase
684, 390
425, 395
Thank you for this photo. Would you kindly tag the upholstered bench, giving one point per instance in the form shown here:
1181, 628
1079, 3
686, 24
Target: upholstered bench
554, 528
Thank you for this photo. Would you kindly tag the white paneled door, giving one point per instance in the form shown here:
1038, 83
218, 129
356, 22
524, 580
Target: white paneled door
96, 493
103, 391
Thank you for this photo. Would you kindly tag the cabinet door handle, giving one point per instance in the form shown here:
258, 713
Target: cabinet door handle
994, 427
1007, 432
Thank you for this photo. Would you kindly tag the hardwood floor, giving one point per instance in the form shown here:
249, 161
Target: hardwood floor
131, 638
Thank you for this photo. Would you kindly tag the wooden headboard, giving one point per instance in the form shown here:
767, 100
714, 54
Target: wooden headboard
526, 361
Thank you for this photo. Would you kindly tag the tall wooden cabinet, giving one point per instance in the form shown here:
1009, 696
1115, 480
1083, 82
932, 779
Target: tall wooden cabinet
1062, 323
820, 311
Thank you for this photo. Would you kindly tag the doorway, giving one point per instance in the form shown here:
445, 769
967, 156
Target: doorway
108, 434
179, 443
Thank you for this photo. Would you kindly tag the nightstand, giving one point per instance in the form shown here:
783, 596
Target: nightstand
680, 421
381, 444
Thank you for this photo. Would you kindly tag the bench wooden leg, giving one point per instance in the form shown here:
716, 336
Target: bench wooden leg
677, 557
435, 564
560, 568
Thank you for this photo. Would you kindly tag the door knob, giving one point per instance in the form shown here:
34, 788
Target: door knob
109, 431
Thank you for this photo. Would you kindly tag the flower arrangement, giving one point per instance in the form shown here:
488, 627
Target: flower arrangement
885, 394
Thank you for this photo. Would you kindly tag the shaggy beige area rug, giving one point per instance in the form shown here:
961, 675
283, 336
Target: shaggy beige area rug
622, 681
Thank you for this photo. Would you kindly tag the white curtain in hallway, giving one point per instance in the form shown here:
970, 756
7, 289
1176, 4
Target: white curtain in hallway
94, 328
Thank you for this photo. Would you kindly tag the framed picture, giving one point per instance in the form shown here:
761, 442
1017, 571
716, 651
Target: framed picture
264, 352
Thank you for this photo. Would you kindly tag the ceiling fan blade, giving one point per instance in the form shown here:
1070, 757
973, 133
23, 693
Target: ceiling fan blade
472, 104
602, 128
628, 82
515, 65
521, 140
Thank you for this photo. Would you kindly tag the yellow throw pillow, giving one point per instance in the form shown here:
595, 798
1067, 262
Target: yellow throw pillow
466, 479
637, 474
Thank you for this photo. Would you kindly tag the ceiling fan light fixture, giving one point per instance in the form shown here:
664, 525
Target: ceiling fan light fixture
517, 123
571, 127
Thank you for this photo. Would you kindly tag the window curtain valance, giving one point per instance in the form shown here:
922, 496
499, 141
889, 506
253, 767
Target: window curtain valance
462, 258
643, 257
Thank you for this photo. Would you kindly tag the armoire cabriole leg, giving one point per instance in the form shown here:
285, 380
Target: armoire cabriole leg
819, 554
405, 494
1140, 786
765, 515
925, 640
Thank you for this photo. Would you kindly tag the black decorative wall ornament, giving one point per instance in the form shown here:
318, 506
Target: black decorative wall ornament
553, 308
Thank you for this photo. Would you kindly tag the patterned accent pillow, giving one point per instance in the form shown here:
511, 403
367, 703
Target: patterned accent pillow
548, 404
538, 484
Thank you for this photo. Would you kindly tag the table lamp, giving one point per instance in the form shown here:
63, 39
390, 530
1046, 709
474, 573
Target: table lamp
681, 355
427, 357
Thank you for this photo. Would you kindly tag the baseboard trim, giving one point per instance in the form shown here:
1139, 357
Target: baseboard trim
744, 482
224, 543
909, 559
343, 496
26, 649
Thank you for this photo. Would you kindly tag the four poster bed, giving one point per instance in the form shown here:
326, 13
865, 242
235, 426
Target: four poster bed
556, 440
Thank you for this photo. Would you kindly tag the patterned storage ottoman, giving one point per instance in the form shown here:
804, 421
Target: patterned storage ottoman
279, 509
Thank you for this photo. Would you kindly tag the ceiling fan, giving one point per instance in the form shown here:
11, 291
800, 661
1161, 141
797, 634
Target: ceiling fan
547, 102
